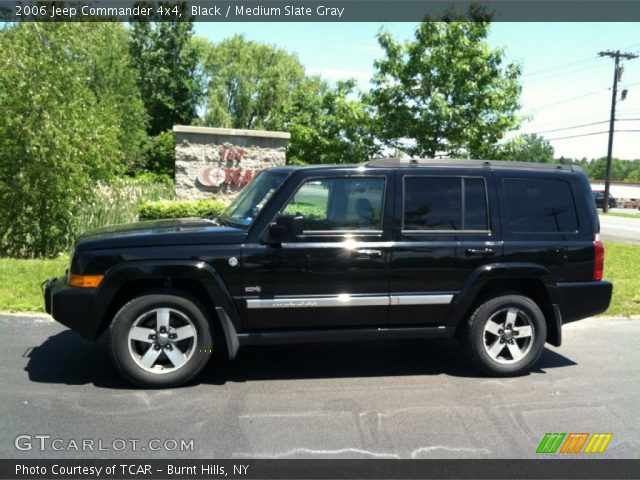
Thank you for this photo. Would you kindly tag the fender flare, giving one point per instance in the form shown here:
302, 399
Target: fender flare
164, 270
484, 274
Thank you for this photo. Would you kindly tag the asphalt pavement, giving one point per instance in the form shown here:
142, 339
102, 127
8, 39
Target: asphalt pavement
620, 229
393, 399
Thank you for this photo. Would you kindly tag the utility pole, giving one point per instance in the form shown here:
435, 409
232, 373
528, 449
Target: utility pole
617, 74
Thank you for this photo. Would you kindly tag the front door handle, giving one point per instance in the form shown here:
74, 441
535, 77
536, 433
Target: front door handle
367, 253
479, 252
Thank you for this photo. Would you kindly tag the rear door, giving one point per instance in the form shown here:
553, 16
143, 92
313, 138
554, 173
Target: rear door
541, 223
445, 230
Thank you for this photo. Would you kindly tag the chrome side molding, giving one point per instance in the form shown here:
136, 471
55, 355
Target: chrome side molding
346, 300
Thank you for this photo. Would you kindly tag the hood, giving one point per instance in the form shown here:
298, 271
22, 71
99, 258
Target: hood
178, 231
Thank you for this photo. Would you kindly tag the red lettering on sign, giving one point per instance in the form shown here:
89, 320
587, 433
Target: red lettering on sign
230, 154
232, 175
248, 176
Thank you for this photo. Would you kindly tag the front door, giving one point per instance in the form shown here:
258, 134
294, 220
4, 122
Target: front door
335, 273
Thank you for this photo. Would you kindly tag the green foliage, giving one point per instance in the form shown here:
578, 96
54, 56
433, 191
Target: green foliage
247, 81
526, 148
446, 90
327, 124
59, 132
628, 170
309, 212
119, 201
160, 153
167, 66
114, 82
181, 209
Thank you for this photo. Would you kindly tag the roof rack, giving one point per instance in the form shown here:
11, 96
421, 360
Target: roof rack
455, 162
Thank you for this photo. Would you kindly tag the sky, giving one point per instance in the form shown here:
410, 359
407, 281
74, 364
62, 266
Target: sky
564, 81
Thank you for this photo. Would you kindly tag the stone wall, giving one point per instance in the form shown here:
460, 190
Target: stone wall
218, 162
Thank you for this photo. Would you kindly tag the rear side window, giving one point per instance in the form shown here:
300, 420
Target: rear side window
539, 205
444, 204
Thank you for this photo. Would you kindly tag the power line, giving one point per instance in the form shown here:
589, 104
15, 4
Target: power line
552, 75
570, 128
590, 134
576, 136
562, 67
568, 100
581, 125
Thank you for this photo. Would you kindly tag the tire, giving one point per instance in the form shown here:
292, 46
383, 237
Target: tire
495, 349
160, 339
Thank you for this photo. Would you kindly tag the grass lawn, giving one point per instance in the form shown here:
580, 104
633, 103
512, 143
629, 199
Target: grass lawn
622, 268
20, 280
620, 214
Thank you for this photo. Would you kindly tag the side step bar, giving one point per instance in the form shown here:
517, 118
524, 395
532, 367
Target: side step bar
339, 335
234, 340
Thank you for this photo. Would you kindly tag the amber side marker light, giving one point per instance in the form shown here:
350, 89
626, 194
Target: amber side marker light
85, 281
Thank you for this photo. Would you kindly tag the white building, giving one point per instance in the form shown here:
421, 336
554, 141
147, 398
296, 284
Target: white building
627, 194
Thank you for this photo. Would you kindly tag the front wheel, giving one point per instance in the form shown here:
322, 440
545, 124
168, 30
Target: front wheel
160, 340
505, 335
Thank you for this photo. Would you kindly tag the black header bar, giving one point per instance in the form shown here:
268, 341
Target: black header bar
319, 469
323, 11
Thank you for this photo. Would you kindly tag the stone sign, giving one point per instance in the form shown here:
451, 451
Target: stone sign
218, 162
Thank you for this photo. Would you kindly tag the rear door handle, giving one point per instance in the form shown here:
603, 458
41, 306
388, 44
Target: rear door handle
479, 252
367, 253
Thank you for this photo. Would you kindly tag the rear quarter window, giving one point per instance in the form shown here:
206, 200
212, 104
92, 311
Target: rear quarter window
536, 205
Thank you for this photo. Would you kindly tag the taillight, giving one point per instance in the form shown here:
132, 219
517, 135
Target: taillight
598, 264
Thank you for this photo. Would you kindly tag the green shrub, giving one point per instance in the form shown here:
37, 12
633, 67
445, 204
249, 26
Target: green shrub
181, 209
118, 201
160, 153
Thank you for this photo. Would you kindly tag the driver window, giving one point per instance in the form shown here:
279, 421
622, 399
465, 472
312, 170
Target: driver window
339, 204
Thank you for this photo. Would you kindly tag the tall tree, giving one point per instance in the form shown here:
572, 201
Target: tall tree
56, 135
247, 82
327, 124
114, 82
168, 72
526, 148
444, 92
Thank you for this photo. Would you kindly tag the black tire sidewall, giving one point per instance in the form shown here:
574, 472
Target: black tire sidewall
476, 335
128, 314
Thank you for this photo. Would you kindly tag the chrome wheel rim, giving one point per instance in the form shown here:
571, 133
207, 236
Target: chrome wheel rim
508, 335
162, 340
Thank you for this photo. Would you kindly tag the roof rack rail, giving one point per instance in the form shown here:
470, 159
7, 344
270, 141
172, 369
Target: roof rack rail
455, 162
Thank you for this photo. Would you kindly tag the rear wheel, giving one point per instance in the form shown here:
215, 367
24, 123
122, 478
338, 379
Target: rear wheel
505, 335
160, 340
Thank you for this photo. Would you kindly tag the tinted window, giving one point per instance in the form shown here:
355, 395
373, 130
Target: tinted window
437, 203
339, 204
475, 204
536, 205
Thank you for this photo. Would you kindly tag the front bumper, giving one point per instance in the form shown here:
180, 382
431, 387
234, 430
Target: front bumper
68, 305
583, 299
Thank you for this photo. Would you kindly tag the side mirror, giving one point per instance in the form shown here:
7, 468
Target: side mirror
286, 227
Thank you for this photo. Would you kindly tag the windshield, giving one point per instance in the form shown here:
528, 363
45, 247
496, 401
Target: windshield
246, 206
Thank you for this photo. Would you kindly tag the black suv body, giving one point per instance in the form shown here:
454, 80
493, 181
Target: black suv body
499, 254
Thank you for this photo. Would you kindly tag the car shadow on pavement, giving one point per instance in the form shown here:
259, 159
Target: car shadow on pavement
67, 358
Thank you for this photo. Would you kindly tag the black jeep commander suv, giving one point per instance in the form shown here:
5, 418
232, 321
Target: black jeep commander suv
499, 254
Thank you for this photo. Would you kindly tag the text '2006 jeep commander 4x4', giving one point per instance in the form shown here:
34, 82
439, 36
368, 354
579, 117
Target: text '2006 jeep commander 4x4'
500, 254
